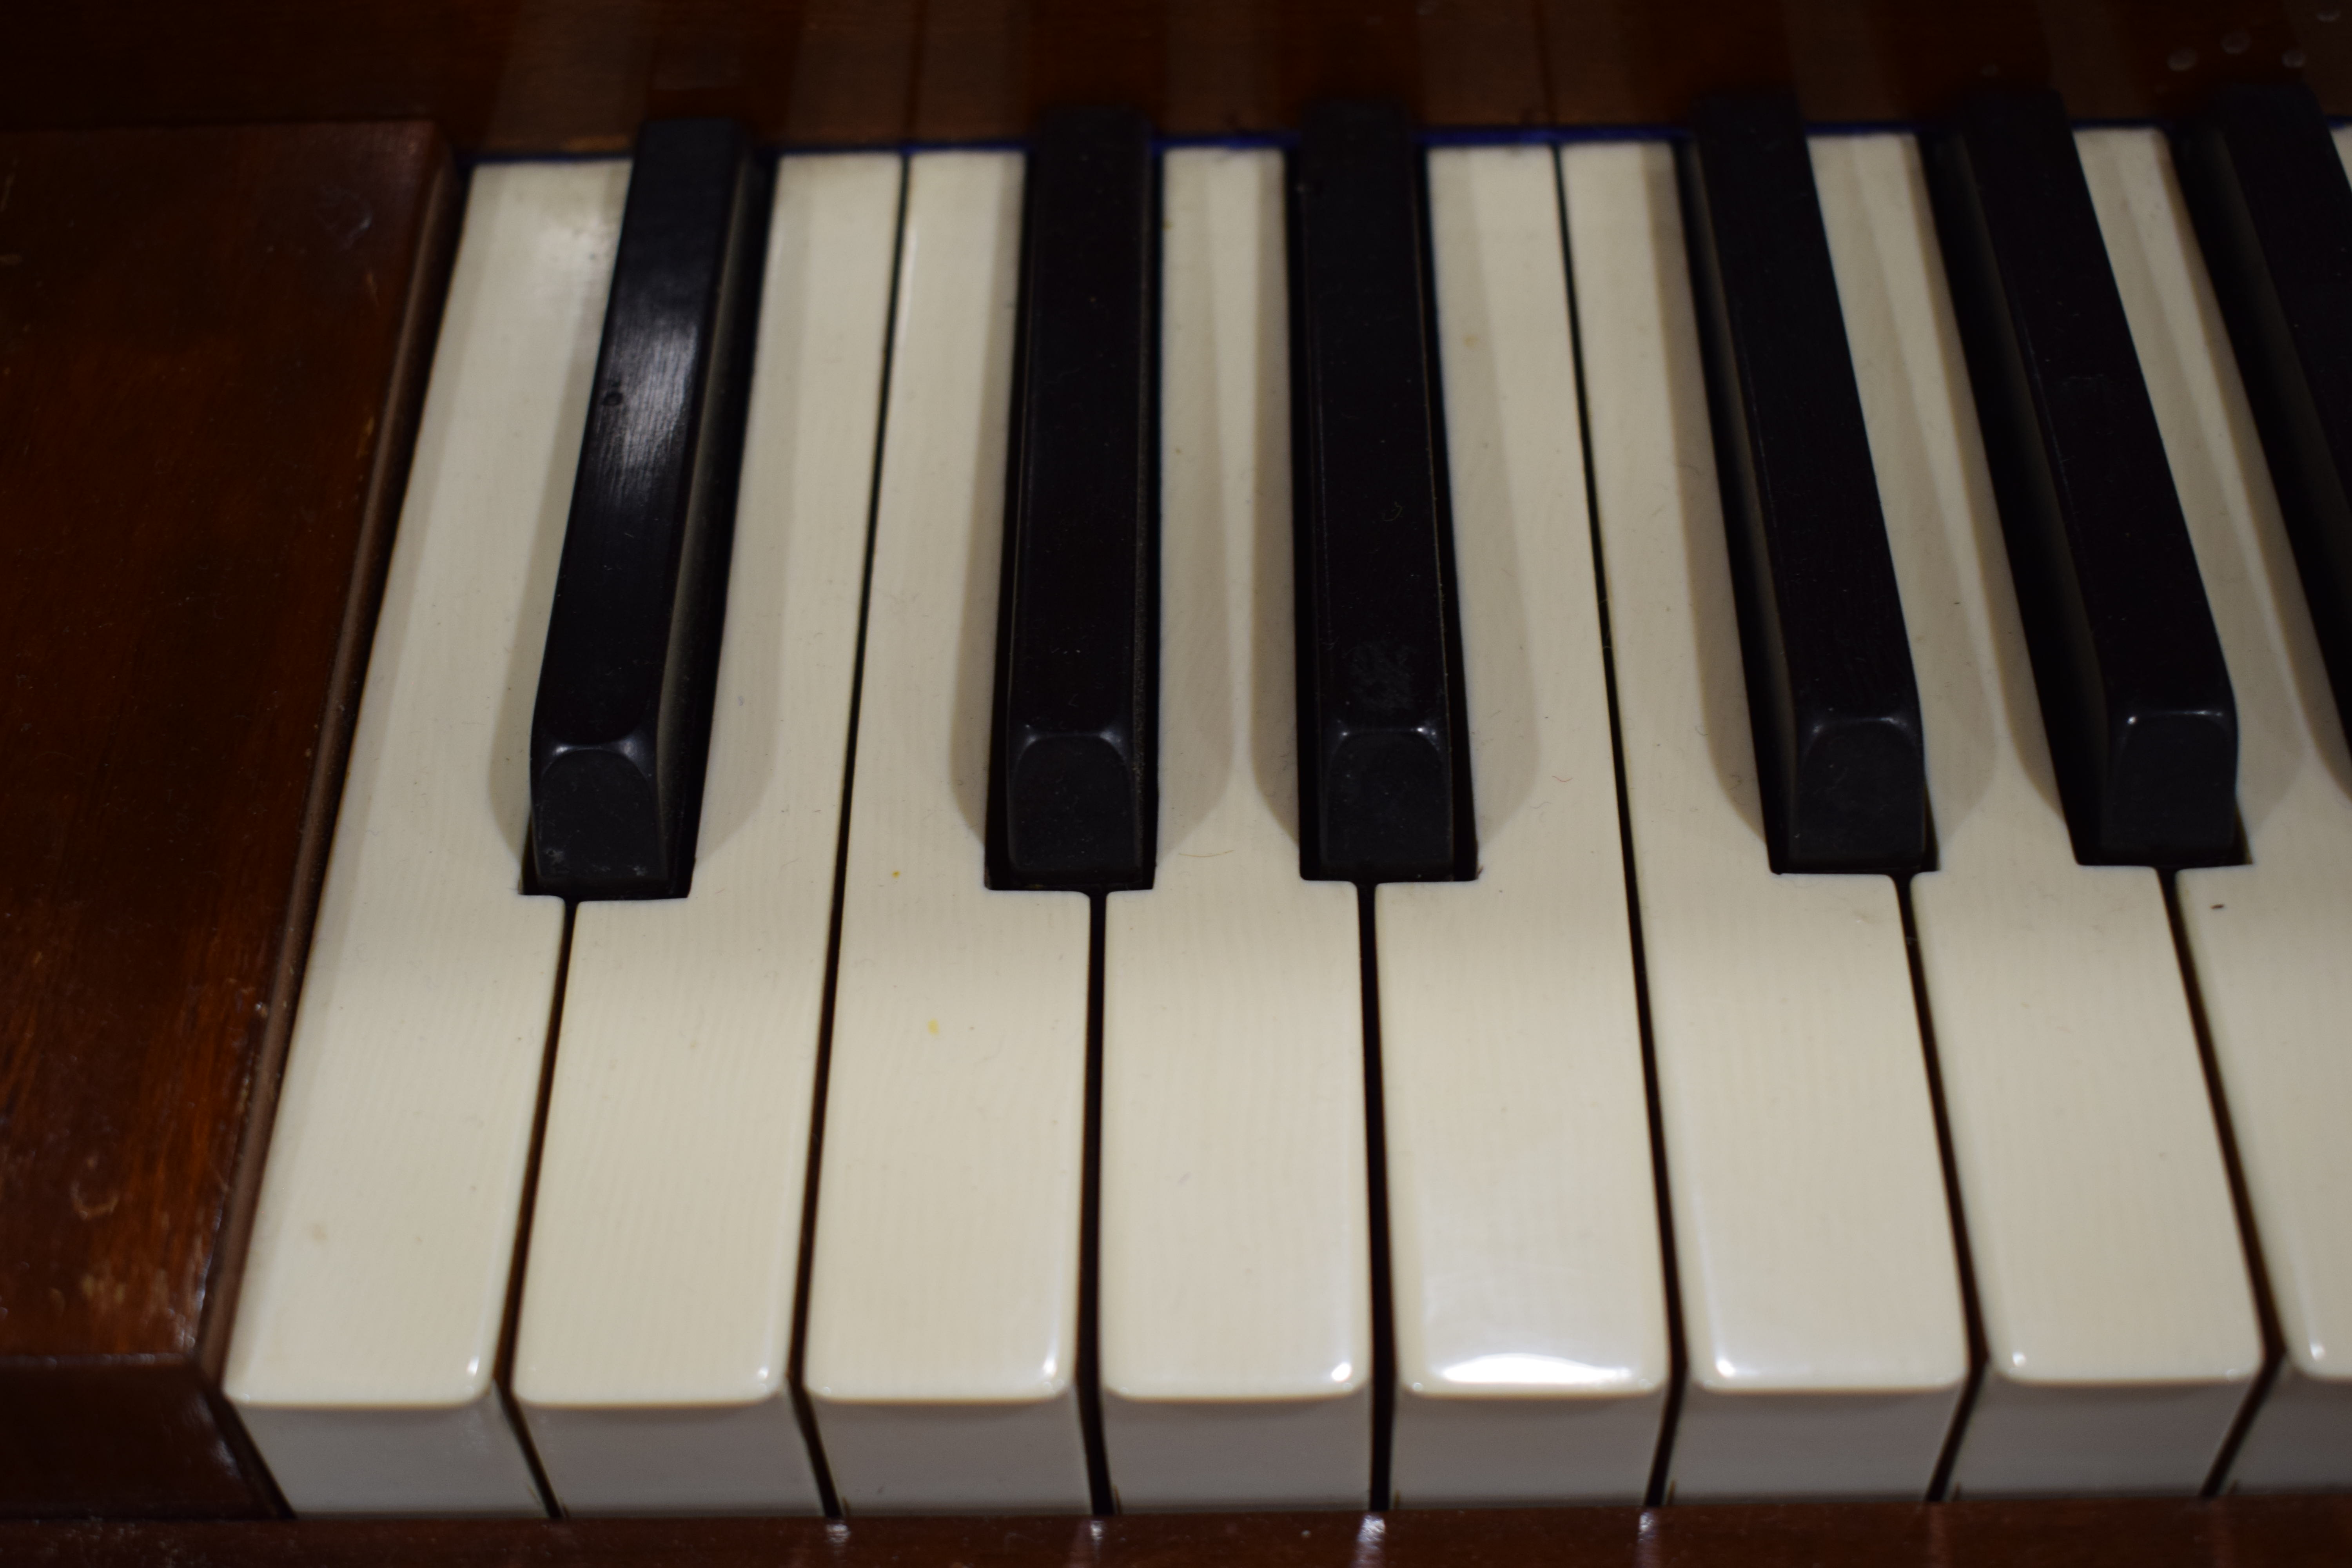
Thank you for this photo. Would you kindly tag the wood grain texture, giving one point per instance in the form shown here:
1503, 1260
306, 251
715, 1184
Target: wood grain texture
206, 377
544, 75
2278, 1532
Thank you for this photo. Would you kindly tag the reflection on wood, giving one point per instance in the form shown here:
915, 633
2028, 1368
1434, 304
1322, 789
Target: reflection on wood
212, 340
533, 76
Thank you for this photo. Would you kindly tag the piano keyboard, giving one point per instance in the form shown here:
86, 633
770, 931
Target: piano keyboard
1630, 1166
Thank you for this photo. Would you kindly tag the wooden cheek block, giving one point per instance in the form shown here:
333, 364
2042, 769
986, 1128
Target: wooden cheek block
211, 343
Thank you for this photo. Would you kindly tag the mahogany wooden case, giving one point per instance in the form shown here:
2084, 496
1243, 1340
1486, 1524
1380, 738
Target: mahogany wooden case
209, 361
557, 75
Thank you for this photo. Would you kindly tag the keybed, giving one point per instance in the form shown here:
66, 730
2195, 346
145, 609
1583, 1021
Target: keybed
1620, 1166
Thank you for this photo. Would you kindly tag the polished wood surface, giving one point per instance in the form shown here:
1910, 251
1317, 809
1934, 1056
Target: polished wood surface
208, 362
551, 75
2281, 1532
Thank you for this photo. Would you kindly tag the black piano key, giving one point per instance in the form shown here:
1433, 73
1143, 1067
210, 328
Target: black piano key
1383, 777
1835, 711
620, 734
2273, 211
2134, 696
1075, 780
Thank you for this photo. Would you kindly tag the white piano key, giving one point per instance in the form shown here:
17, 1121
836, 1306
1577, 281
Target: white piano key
1236, 1334
2119, 1326
656, 1321
367, 1332
1528, 1291
942, 1332
2268, 939
1820, 1303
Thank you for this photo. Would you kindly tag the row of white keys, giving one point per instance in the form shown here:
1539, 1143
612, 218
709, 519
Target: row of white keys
2119, 1326
652, 1348
2268, 939
1524, 1269
1816, 1273
1236, 1343
367, 1334
941, 1343
1819, 1291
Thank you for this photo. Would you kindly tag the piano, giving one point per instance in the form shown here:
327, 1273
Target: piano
1492, 779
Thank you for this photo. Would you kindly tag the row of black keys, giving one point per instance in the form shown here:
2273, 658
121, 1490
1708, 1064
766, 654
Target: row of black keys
2134, 691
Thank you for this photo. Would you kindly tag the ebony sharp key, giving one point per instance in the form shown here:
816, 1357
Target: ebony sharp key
2273, 211
2135, 697
1074, 785
1835, 711
1383, 790
622, 726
